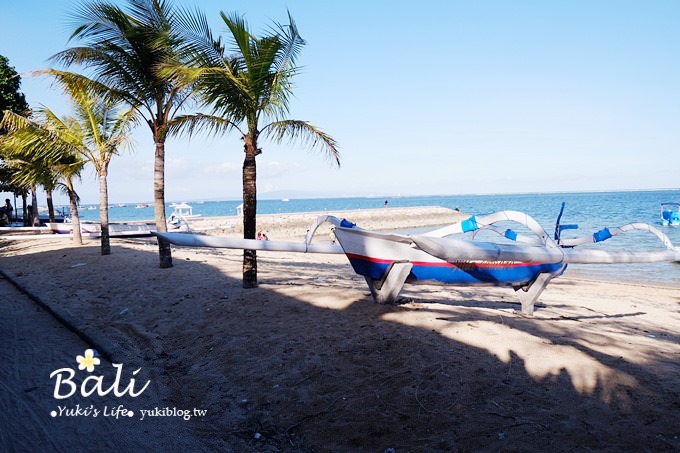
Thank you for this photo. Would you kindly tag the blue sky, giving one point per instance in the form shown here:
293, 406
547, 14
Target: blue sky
429, 97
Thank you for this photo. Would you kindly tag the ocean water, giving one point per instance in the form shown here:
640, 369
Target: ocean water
591, 211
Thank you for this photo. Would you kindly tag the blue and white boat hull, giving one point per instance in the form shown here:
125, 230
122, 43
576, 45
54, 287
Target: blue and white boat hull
372, 254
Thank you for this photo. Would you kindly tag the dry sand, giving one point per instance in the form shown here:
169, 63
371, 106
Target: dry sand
307, 362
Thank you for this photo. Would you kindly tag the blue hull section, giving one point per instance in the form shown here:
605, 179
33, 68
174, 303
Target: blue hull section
463, 273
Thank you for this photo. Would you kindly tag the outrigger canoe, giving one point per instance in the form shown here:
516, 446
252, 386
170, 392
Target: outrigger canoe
388, 261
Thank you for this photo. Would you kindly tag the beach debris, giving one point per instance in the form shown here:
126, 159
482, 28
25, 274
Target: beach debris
123, 311
390, 450
258, 436
78, 265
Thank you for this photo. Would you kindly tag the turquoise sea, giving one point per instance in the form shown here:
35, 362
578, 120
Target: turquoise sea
592, 211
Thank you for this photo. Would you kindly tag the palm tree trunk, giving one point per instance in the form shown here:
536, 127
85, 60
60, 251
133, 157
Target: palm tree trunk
24, 206
50, 204
35, 219
164, 253
249, 218
75, 219
104, 212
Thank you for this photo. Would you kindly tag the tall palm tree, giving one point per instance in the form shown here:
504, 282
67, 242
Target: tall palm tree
123, 50
103, 128
42, 150
249, 91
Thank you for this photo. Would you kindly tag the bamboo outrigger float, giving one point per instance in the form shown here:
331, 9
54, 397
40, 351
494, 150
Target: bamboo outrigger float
525, 262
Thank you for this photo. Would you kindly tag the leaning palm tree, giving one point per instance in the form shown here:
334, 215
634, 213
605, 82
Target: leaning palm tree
123, 50
42, 150
104, 128
248, 90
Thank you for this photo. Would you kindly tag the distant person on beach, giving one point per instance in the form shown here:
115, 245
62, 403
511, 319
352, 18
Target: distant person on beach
331, 235
262, 236
386, 203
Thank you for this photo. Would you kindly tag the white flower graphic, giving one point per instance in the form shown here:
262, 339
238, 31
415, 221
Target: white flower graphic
88, 362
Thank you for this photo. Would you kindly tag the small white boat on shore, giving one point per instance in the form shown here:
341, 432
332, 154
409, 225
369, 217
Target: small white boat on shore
93, 229
180, 216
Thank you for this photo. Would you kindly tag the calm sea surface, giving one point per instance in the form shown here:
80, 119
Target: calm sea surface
592, 211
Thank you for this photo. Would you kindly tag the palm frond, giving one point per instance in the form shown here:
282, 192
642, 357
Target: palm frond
124, 49
210, 124
308, 134
12, 121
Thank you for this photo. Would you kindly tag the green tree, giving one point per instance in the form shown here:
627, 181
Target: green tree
123, 50
13, 100
10, 83
248, 91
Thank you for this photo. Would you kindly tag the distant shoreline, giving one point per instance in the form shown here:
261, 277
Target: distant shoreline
310, 197
294, 225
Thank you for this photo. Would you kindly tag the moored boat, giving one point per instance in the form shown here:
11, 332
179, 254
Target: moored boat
670, 214
525, 262
180, 216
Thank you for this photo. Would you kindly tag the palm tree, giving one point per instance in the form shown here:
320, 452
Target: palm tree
248, 91
43, 150
103, 128
123, 51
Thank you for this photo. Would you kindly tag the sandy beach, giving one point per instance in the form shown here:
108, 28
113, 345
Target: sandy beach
308, 362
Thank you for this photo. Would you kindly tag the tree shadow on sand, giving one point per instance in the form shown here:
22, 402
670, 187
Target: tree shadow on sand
307, 362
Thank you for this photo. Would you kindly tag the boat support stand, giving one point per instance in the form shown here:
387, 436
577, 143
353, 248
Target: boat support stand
386, 290
529, 294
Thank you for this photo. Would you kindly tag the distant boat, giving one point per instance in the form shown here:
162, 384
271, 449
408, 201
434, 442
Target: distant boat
181, 213
142, 205
670, 214
285, 199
